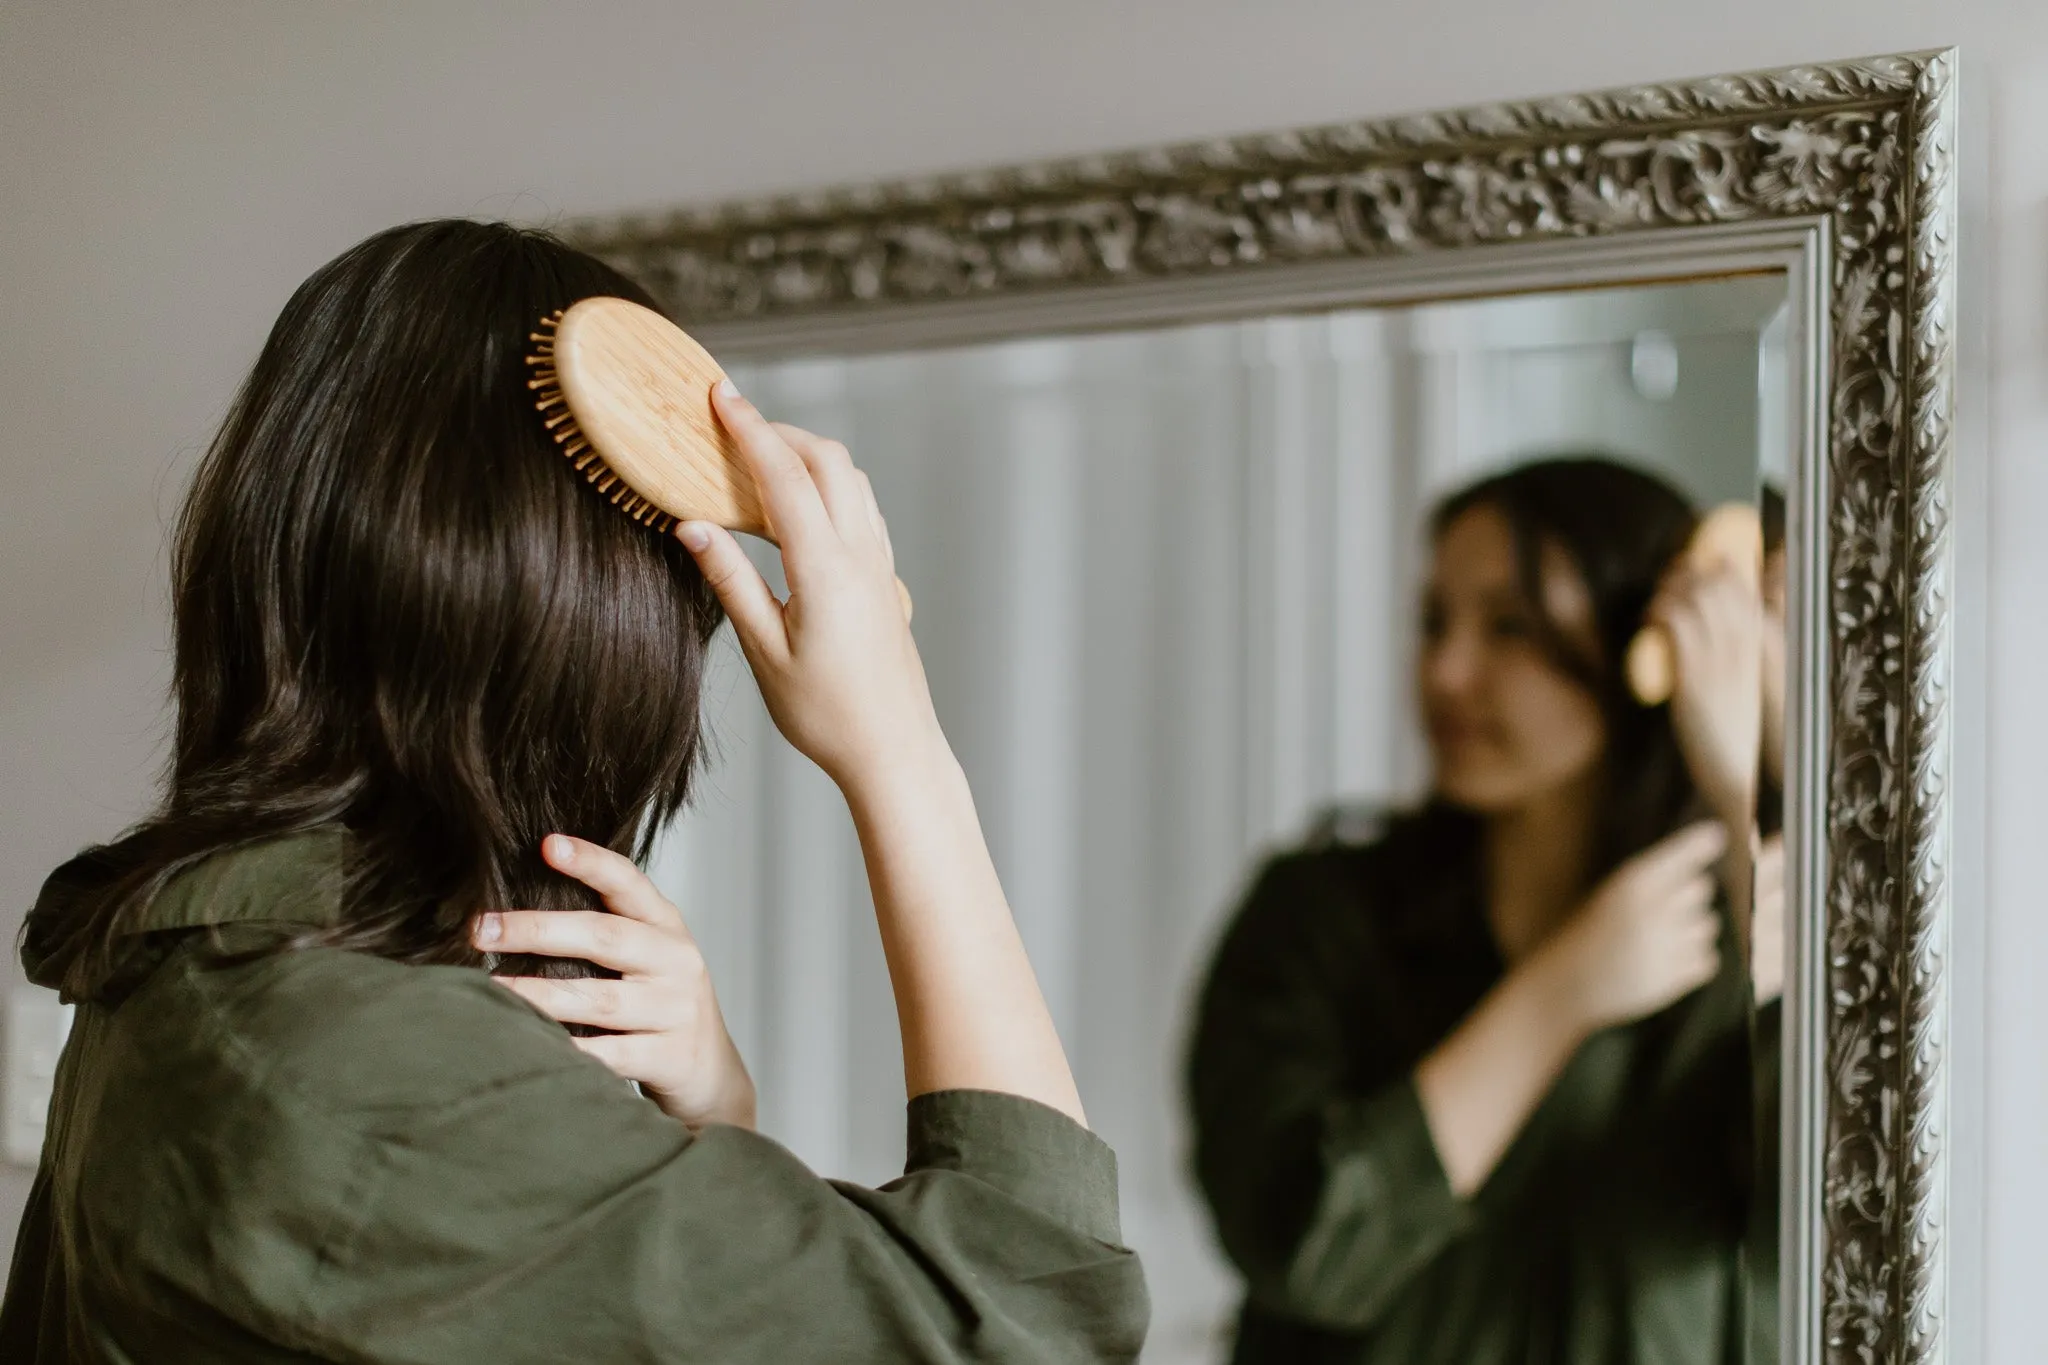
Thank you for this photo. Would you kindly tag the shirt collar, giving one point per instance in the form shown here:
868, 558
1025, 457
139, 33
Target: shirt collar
294, 879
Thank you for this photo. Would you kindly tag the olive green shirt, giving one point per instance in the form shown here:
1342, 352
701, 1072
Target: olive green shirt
316, 1154
1611, 1231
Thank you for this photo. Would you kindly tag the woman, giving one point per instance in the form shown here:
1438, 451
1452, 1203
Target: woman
1478, 1090
434, 696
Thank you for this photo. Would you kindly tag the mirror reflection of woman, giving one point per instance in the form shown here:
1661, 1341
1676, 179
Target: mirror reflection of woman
1478, 1088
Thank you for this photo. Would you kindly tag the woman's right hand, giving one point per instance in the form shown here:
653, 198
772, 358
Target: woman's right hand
841, 677
1714, 620
1647, 937
836, 663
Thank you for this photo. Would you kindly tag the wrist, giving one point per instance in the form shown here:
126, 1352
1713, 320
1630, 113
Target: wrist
1732, 802
1554, 988
1737, 813
734, 1108
908, 770
739, 1109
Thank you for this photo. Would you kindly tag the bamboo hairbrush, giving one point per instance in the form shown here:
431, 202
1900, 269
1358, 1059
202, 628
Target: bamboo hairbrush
627, 394
1730, 536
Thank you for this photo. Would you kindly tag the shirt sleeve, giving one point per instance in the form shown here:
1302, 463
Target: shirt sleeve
480, 1190
1325, 1185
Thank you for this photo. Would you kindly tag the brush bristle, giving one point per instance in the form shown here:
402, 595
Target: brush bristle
553, 406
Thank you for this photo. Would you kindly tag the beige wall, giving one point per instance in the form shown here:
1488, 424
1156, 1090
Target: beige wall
170, 171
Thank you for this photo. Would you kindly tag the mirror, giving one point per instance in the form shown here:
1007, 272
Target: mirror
1281, 515
1170, 588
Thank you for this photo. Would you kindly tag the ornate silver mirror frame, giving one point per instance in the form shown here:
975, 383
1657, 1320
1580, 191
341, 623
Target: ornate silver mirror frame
1842, 176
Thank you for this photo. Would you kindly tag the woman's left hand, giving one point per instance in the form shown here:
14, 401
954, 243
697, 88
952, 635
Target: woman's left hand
1715, 621
667, 1032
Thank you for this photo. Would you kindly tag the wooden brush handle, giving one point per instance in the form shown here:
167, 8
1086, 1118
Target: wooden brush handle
639, 390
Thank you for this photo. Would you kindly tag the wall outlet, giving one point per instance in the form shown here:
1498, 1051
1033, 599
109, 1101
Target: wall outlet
37, 1025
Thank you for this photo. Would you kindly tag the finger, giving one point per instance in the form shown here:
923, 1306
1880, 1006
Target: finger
1730, 606
1662, 607
749, 603
624, 1006
881, 523
612, 941
1770, 910
1694, 895
616, 878
1682, 854
1702, 923
1687, 629
1680, 611
838, 480
1770, 864
1674, 593
636, 1056
789, 498
1767, 877
1698, 963
1703, 603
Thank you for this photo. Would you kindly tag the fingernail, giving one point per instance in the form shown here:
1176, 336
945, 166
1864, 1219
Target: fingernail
694, 535
560, 849
488, 929
727, 389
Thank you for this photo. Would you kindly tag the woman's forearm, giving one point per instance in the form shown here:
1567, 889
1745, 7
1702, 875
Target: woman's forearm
967, 1002
1481, 1084
840, 675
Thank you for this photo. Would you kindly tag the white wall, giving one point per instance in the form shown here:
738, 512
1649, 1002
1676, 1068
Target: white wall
170, 171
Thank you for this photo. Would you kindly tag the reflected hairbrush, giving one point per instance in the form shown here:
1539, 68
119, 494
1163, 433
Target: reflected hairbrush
1731, 536
627, 395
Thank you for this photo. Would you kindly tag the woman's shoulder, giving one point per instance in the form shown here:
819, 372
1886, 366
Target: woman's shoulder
1350, 824
247, 1128
1359, 869
352, 1037
1378, 853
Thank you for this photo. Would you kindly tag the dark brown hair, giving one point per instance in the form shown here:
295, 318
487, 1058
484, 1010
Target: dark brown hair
1620, 527
398, 610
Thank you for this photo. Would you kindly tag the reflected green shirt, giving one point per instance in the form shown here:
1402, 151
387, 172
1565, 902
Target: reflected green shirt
1610, 1233
324, 1155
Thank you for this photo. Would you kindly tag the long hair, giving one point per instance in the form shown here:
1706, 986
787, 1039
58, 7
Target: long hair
1620, 528
398, 610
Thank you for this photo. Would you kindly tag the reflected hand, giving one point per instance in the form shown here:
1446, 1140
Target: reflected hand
1646, 938
667, 1032
1767, 922
1715, 622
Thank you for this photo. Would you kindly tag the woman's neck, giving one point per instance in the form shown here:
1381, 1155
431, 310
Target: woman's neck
1536, 861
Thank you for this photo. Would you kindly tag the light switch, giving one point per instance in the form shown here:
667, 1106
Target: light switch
37, 1025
